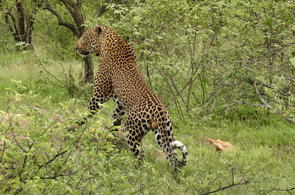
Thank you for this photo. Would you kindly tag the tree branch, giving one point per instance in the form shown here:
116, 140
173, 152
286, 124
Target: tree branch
61, 22
30, 18
54, 177
53, 158
52, 75
12, 27
273, 110
226, 187
21, 19
18, 144
76, 13
260, 97
102, 9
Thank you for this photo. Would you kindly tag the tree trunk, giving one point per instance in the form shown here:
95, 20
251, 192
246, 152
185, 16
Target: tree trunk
20, 24
75, 9
88, 70
21, 20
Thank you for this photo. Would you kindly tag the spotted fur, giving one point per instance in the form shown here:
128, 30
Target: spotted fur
119, 78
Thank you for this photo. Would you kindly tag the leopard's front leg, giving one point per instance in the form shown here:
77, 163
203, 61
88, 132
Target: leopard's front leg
118, 113
102, 92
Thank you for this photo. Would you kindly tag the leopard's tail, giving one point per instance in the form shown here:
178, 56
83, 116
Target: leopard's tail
179, 145
164, 135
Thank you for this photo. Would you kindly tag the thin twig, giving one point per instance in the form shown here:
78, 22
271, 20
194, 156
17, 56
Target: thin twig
18, 144
70, 151
279, 190
260, 97
56, 176
177, 104
3, 151
40, 63
273, 110
53, 158
226, 187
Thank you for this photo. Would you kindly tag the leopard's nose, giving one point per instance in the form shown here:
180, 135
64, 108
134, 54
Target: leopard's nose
77, 45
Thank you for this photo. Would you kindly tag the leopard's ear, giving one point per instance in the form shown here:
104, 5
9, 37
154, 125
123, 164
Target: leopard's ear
97, 29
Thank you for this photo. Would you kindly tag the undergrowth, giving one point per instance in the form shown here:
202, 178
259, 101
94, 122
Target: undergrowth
39, 155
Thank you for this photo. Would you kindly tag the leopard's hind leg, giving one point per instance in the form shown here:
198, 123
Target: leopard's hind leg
136, 124
118, 113
164, 136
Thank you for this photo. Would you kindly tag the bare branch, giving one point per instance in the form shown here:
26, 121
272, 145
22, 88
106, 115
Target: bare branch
226, 187
178, 107
53, 158
273, 110
12, 25
18, 144
61, 22
54, 177
58, 172
59, 175
102, 9
260, 97
40, 63
76, 13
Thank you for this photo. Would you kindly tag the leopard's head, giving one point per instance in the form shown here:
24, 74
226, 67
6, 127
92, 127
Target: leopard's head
90, 42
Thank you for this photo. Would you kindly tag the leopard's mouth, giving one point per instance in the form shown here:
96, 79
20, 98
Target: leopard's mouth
84, 53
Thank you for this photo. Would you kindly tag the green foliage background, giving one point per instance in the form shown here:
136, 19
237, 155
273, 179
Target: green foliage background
225, 70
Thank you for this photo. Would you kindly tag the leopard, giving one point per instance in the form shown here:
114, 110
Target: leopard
119, 78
